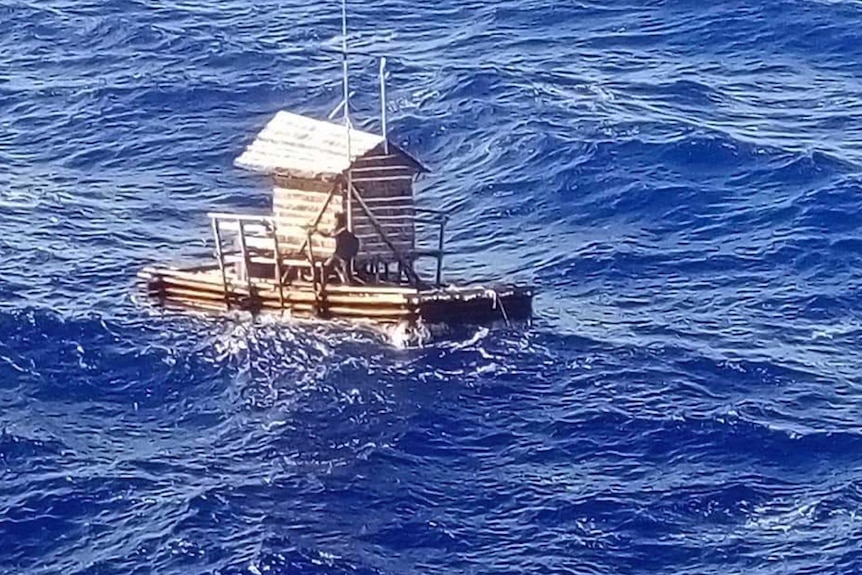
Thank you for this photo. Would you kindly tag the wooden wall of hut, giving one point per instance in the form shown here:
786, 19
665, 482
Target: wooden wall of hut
296, 204
385, 182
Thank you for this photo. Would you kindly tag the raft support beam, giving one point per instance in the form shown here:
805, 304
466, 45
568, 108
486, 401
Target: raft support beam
220, 256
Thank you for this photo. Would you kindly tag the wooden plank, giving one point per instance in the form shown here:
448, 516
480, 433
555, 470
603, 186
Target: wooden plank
300, 207
385, 190
393, 229
167, 282
308, 195
380, 160
399, 217
250, 228
289, 198
292, 225
402, 211
395, 233
296, 240
285, 221
369, 289
261, 244
404, 216
194, 304
305, 184
379, 252
288, 219
366, 171
394, 200
393, 314
320, 215
375, 179
194, 294
363, 300
404, 233
373, 238
204, 278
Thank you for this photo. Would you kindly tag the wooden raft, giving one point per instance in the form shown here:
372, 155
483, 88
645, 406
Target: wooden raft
203, 288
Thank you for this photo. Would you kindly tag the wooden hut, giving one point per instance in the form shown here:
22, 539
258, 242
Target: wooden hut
315, 178
277, 263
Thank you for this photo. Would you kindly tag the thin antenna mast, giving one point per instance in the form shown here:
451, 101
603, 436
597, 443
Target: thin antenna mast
383, 104
347, 114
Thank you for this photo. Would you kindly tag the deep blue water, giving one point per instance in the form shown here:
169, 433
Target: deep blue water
682, 181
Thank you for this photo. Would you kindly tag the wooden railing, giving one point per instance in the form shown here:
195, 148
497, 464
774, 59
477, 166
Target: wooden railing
431, 217
258, 233
260, 227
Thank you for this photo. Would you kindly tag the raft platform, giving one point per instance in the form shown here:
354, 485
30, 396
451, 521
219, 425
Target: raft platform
324, 173
203, 288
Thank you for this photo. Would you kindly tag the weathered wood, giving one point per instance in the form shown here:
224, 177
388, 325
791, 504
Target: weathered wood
350, 312
168, 281
374, 179
320, 215
393, 229
294, 221
402, 216
293, 245
307, 210
301, 184
279, 276
399, 221
317, 292
364, 170
220, 256
245, 259
288, 199
440, 239
172, 291
408, 269
292, 296
383, 303
379, 160
371, 290
192, 275
406, 201
386, 189
194, 304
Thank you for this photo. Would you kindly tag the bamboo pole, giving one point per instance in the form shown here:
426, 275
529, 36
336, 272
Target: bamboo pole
314, 280
279, 278
361, 301
215, 224
245, 259
440, 241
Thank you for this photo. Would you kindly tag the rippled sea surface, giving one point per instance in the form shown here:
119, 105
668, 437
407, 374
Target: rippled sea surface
680, 180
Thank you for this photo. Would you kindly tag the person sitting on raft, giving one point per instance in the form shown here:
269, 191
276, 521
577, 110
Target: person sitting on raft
346, 248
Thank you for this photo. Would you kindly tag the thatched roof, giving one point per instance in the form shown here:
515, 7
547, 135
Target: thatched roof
295, 144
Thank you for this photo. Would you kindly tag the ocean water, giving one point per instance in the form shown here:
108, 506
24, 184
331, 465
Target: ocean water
679, 180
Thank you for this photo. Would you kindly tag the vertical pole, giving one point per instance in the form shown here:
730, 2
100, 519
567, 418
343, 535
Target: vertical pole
279, 277
220, 256
347, 113
245, 259
440, 252
383, 105
316, 285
